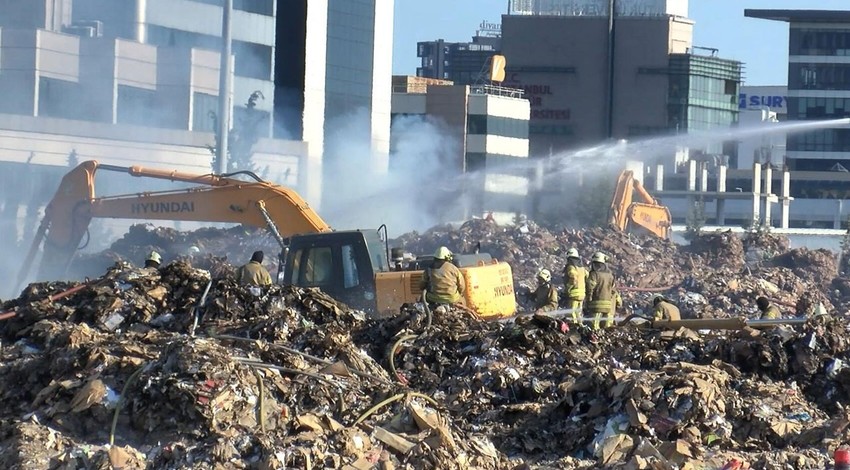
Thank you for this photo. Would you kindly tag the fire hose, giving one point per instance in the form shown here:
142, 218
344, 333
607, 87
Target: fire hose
395, 347
12, 313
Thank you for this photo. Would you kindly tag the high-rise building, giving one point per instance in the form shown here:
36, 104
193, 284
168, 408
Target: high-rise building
818, 85
593, 75
333, 80
464, 63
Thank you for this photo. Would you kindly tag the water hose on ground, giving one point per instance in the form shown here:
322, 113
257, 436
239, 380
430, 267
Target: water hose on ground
295, 351
121, 402
392, 399
261, 404
393, 350
397, 344
262, 365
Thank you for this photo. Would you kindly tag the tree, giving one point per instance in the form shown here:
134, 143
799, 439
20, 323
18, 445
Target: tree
244, 134
695, 219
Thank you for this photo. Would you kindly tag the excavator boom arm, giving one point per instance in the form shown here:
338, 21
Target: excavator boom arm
648, 213
217, 199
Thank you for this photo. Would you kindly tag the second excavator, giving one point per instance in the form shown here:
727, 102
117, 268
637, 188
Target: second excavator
352, 266
647, 214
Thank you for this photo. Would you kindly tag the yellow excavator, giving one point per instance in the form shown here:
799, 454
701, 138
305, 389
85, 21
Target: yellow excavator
353, 266
647, 214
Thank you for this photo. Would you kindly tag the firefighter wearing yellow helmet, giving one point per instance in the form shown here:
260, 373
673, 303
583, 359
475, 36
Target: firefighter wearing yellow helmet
601, 293
443, 281
575, 277
546, 296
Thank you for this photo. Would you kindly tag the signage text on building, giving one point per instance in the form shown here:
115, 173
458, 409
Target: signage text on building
540, 96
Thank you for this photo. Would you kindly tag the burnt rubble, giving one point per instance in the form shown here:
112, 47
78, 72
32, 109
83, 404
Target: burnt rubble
291, 378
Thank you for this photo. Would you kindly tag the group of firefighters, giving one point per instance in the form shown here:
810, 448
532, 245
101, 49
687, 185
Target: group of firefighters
586, 292
590, 292
253, 273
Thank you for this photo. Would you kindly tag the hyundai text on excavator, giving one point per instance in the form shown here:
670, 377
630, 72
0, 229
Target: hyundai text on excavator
647, 214
352, 266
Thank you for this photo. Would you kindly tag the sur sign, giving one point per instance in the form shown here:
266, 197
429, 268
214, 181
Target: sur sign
775, 98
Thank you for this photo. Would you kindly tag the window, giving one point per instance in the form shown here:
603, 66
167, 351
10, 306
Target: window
476, 124
204, 107
252, 60
136, 106
475, 161
349, 267
59, 98
296, 267
318, 269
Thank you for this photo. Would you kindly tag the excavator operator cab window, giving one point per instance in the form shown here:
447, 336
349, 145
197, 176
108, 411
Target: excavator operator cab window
319, 266
314, 269
349, 267
339, 263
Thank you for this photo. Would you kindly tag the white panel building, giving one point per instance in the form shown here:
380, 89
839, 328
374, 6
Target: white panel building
489, 129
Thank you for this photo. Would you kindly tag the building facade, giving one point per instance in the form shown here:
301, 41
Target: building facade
464, 63
88, 89
188, 24
818, 85
587, 82
487, 127
333, 81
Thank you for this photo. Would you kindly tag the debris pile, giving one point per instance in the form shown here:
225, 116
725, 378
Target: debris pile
292, 378
269, 381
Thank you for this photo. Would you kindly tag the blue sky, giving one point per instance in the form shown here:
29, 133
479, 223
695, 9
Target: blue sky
761, 44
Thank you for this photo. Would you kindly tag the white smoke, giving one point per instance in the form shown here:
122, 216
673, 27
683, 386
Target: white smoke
415, 193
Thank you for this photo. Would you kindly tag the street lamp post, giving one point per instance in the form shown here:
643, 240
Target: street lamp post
224, 86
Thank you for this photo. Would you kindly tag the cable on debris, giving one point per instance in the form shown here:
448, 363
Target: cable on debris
392, 399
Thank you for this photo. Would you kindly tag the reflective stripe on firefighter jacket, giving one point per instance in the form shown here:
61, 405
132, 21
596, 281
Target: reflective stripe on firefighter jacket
666, 311
445, 284
600, 291
772, 313
546, 298
575, 278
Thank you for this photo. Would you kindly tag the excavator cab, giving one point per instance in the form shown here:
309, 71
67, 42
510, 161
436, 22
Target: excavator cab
343, 264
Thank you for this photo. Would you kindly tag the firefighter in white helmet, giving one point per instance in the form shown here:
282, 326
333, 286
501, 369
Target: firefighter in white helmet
546, 296
575, 276
443, 281
153, 260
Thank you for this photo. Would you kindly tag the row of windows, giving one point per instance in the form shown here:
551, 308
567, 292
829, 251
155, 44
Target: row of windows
819, 76
252, 60
818, 108
825, 140
820, 42
497, 125
261, 7
816, 164
476, 161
